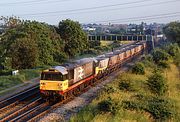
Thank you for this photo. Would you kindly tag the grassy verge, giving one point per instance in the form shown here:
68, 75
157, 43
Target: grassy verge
23, 76
135, 102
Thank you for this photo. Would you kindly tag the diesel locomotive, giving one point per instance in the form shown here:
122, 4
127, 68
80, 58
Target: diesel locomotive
61, 82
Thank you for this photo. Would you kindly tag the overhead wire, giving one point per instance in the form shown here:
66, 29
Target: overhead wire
105, 10
140, 18
88, 8
31, 2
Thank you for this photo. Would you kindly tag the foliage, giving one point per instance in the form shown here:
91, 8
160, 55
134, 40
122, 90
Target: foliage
31, 44
177, 59
173, 49
159, 55
24, 54
172, 32
93, 44
10, 22
138, 68
157, 84
30, 73
161, 109
5, 72
163, 64
131, 105
91, 51
23, 76
107, 106
85, 116
110, 89
126, 85
10, 81
102, 48
74, 37
139, 105
148, 61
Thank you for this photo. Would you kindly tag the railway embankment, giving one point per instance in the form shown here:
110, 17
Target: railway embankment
137, 96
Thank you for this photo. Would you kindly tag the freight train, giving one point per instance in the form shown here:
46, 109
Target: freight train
61, 82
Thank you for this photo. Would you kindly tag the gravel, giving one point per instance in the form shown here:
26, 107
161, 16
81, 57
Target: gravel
64, 112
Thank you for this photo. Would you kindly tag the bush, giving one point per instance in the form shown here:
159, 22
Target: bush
93, 44
138, 68
10, 81
131, 105
173, 49
102, 48
30, 74
5, 72
157, 84
177, 59
91, 51
160, 109
148, 61
107, 106
110, 89
160, 55
163, 64
126, 85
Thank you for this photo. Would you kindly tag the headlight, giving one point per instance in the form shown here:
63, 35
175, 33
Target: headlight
42, 84
60, 85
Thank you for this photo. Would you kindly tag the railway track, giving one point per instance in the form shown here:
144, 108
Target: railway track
50, 108
35, 108
17, 102
28, 106
20, 96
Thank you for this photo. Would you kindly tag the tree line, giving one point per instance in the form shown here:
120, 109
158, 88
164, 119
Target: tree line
28, 44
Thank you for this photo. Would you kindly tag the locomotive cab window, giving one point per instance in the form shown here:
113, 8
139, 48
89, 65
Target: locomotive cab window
53, 76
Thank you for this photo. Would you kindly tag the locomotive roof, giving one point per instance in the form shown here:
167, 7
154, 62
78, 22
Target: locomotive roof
77, 63
61, 69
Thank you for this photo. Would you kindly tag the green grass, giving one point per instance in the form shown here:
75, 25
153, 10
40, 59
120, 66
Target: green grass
140, 107
22, 77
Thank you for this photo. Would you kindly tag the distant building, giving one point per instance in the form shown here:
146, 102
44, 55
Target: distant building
89, 29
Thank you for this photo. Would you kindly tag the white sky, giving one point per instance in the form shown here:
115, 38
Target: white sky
127, 9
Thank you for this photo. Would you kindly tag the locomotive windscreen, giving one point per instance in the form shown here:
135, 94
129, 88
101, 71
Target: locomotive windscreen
53, 76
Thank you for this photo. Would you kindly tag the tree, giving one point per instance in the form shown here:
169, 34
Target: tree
24, 53
172, 32
31, 44
10, 22
74, 37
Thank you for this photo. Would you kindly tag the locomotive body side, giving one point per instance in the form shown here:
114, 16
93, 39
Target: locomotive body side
62, 79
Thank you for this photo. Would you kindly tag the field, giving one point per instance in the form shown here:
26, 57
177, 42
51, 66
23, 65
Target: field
133, 101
